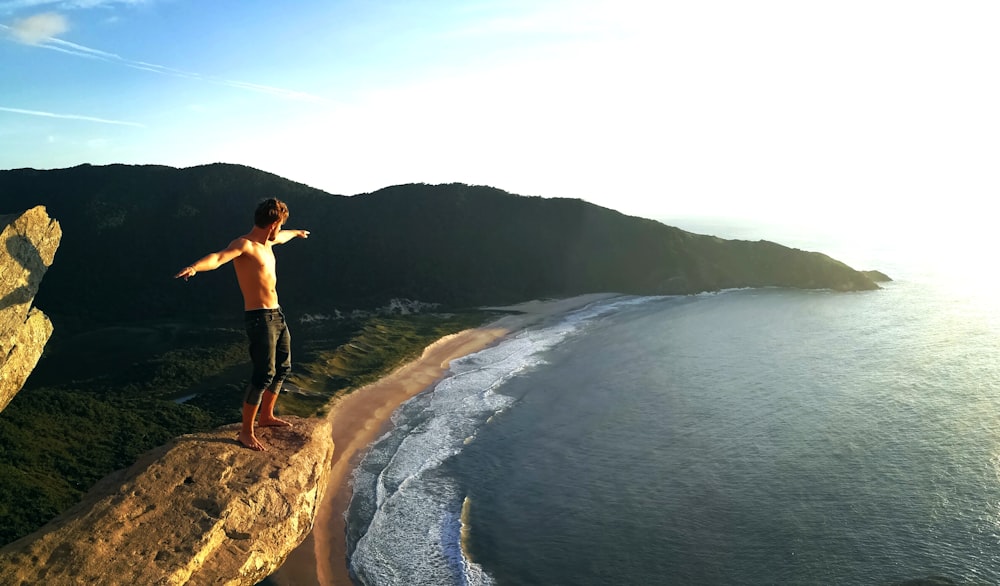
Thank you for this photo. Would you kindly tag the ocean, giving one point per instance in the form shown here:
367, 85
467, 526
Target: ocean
765, 436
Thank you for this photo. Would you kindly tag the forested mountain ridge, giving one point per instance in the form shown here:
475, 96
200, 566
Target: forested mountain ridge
128, 229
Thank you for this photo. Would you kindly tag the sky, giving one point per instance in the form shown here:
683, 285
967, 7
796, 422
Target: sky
864, 115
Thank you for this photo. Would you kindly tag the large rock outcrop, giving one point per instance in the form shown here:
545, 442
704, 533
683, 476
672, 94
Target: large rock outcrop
201, 510
28, 244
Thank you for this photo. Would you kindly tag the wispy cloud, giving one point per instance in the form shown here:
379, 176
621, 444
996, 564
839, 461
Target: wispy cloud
69, 116
35, 29
41, 31
15, 5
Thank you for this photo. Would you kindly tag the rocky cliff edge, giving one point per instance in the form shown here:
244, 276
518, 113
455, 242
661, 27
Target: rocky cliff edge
28, 243
200, 510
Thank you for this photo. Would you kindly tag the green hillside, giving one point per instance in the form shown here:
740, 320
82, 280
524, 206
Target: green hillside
128, 229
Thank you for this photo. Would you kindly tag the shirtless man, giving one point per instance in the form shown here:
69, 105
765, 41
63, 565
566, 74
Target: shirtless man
270, 344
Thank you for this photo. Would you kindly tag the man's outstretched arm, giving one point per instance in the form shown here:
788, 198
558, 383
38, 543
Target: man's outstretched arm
212, 261
284, 236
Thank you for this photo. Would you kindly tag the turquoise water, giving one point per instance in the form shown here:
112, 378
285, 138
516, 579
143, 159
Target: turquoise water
746, 437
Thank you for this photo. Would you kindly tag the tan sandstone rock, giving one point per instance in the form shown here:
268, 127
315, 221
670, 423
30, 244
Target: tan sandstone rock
28, 244
201, 510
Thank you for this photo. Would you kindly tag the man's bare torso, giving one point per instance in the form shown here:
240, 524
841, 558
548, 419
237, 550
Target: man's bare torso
255, 274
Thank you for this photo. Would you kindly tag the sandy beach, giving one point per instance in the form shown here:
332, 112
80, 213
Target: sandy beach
363, 416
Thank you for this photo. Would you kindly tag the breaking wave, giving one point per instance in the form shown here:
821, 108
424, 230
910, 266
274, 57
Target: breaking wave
407, 518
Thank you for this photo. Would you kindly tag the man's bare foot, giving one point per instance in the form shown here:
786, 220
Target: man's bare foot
251, 442
272, 422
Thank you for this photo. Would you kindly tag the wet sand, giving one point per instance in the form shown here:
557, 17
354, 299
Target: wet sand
363, 416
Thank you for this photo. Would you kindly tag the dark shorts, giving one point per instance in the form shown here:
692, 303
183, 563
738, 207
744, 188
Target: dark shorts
270, 352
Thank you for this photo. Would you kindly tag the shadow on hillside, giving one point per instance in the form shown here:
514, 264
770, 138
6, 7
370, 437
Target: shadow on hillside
18, 248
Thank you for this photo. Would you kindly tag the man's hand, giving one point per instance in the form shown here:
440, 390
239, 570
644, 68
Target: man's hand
187, 273
302, 233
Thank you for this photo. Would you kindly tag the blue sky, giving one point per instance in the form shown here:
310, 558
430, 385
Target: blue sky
877, 113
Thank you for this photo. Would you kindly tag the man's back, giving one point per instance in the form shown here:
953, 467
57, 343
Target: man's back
255, 272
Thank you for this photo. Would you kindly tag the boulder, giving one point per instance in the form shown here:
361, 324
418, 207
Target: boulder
200, 510
28, 244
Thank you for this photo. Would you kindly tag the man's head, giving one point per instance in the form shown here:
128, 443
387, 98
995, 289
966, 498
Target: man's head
270, 211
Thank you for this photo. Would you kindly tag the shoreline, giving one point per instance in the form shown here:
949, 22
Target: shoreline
361, 417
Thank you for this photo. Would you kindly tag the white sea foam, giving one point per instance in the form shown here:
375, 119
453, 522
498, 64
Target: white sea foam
414, 506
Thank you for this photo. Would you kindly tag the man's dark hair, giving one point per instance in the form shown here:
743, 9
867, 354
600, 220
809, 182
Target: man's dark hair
269, 211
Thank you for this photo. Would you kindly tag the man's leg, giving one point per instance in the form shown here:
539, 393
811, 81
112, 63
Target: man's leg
282, 366
267, 418
247, 437
263, 335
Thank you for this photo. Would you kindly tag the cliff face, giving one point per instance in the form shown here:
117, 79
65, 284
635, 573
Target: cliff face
28, 244
201, 510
